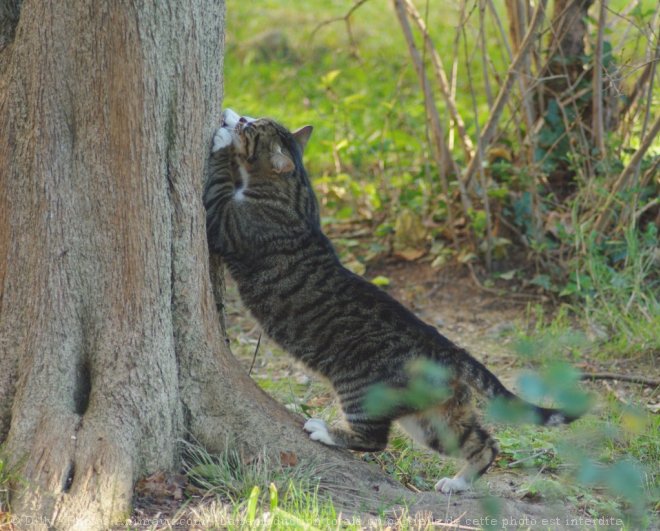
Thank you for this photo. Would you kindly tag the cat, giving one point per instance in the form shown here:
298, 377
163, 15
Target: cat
263, 219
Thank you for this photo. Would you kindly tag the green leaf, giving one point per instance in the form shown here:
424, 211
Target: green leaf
508, 275
252, 505
329, 77
380, 280
532, 387
272, 490
543, 281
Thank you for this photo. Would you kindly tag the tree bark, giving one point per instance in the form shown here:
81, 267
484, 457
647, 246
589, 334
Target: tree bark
105, 112
567, 44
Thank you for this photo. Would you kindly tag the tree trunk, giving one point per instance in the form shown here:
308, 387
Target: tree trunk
105, 113
567, 44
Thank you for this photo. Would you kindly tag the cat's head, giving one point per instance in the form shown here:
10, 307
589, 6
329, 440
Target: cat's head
271, 180
266, 149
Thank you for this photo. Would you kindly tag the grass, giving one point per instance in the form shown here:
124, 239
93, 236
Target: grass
258, 493
5, 479
262, 495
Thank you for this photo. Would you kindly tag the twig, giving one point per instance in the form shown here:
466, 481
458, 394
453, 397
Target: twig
597, 98
643, 380
443, 82
254, 358
505, 91
484, 53
638, 89
517, 25
483, 189
647, 114
541, 452
347, 20
441, 151
651, 172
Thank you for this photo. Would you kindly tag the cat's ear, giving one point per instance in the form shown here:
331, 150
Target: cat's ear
302, 135
281, 163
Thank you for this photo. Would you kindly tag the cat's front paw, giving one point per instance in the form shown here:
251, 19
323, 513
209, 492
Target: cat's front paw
449, 485
230, 118
318, 431
222, 138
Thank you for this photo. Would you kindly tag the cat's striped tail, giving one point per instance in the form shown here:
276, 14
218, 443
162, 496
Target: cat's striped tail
480, 378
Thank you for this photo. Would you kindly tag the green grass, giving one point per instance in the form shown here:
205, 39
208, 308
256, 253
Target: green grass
232, 477
5, 478
369, 145
9, 476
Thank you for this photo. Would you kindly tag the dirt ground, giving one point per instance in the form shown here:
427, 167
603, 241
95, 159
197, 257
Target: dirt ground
477, 319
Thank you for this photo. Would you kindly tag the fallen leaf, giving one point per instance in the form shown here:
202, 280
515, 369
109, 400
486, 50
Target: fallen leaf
409, 235
410, 254
288, 459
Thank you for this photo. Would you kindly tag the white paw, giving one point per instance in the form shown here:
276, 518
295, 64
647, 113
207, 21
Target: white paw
222, 139
318, 431
449, 485
229, 118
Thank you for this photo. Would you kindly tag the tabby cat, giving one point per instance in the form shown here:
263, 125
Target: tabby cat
263, 219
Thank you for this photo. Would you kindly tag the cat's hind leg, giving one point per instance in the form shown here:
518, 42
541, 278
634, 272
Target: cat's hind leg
459, 433
478, 448
364, 436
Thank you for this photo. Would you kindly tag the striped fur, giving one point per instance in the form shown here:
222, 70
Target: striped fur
265, 224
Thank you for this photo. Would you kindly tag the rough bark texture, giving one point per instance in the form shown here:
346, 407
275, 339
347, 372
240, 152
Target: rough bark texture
105, 114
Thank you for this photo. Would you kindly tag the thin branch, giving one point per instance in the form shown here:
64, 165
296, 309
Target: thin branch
505, 91
346, 19
517, 25
539, 453
441, 151
638, 88
484, 53
254, 358
443, 82
643, 380
483, 189
645, 123
651, 172
597, 124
